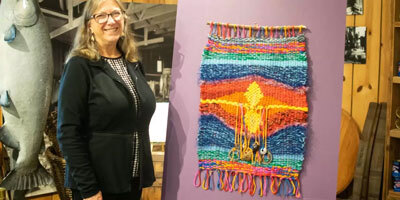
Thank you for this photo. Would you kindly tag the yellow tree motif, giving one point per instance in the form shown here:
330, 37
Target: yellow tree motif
252, 117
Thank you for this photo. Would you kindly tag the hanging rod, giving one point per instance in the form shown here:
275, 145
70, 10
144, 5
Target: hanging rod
256, 26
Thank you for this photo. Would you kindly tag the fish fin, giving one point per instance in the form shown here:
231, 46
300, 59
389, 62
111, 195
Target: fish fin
17, 181
7, 138
5, 99
10, 34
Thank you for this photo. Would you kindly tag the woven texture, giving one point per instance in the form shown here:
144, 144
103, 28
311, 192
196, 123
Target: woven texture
253, 111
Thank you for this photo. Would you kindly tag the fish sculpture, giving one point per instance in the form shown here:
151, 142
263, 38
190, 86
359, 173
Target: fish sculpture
26, 78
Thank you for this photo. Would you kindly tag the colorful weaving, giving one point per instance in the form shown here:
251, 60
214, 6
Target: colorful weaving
253, 107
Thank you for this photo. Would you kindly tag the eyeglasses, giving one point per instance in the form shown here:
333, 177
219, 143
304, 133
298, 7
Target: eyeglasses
102, 18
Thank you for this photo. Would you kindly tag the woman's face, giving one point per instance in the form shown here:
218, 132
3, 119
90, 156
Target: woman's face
107, 23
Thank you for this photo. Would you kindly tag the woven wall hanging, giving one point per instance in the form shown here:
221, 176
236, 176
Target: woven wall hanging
253, 109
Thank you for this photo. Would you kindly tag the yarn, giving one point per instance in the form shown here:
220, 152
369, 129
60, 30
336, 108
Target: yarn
253, 110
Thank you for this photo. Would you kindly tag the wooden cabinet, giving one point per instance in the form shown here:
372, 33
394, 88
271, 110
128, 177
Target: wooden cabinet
390, 58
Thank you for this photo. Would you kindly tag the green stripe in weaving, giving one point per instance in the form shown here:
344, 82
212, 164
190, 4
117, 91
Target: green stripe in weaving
223, 156
255, 56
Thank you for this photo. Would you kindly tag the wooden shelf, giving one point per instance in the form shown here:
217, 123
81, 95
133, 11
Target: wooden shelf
395, 133
393, 195
390, 23
396, 79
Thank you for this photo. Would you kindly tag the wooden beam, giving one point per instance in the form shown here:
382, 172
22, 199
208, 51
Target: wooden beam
153, 1
77, 2
137, 7
151, 41
54, 13
67, 27
155, 21
164, 31
167, 26
151, 13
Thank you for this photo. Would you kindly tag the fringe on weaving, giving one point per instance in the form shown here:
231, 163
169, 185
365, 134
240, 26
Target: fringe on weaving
241, 182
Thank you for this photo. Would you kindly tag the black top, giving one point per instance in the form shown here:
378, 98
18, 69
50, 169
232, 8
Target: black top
96, 119
119, 66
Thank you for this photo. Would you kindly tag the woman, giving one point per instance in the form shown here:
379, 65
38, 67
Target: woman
104, 109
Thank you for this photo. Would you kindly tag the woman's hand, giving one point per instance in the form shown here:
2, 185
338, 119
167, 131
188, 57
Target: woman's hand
97, 196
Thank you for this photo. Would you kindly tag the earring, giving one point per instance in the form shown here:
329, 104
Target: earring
92, 36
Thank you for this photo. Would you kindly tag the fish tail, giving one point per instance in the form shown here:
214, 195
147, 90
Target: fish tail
21, 181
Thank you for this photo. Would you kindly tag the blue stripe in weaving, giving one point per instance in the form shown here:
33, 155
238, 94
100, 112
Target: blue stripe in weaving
293, 76
213, 132
214, 148
288, 141
264, 63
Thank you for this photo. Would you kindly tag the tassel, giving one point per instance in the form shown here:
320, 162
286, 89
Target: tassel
241, 178
234, 31
279, 186
223, 31
196, 178
250, 183
243, 182
271, 34
239, 32
229, 31
285, 31
205, 181
293, 191
220, 185
274, 188
234, 182
226, 181
211, 180
219, 30
265, 185
231, 181
211, 27
282, 189
298, 195
260, 190
250, 31
280, 181
253, 186
238, 181
293, 31
289, 186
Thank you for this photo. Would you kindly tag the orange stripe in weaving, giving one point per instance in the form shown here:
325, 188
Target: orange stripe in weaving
276, 121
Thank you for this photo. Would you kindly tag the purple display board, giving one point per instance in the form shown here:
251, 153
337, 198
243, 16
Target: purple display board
325, 21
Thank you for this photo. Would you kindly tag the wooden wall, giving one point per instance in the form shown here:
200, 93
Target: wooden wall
365, 83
